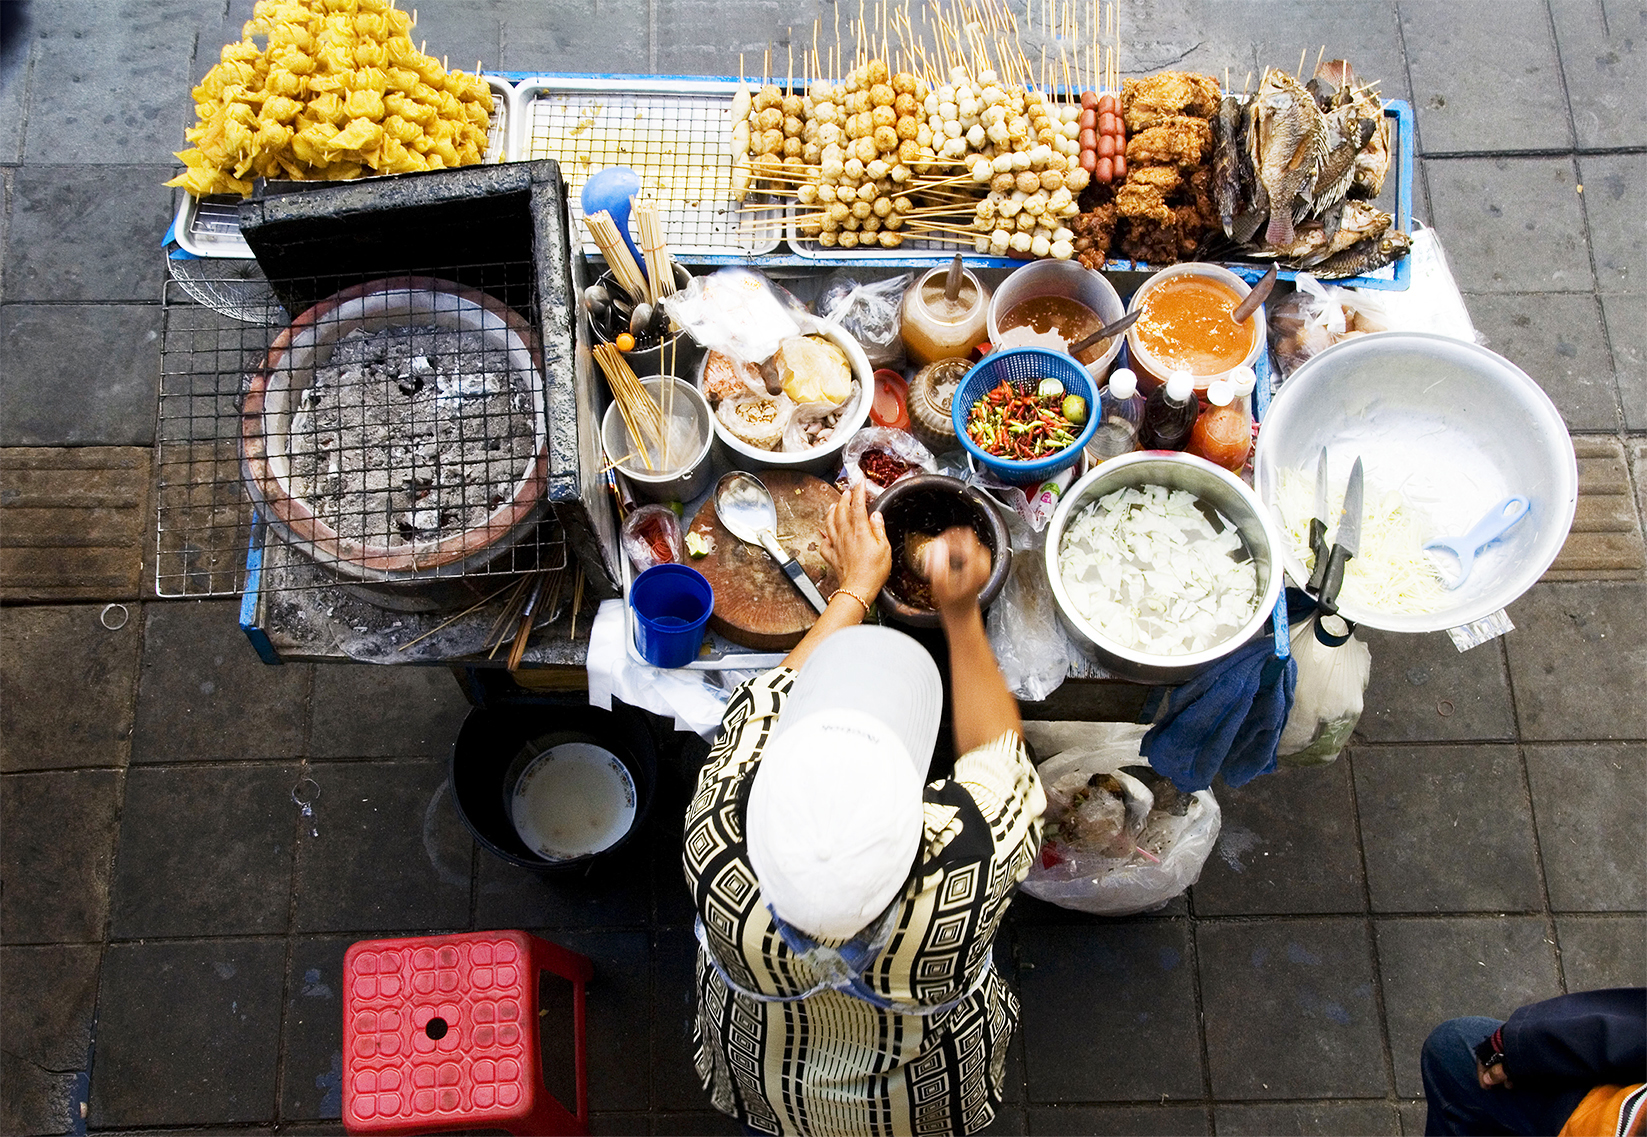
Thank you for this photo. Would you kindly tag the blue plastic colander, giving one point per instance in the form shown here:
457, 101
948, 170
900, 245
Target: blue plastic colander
1024, 368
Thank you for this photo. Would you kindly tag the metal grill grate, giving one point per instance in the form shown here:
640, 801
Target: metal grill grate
393, 433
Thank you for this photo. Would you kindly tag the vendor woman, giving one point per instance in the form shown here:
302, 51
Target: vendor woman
847, 906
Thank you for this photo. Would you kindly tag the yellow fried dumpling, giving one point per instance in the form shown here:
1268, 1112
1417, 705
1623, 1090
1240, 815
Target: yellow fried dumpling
370, 79
360, 134
329, 107
400, 79
401, 130
478, 114
328, 81
399, 22
280, 109
298, 62
368, 54
289, 34
366, 104
371, 25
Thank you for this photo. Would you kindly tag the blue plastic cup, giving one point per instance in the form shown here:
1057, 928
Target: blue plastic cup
672, 604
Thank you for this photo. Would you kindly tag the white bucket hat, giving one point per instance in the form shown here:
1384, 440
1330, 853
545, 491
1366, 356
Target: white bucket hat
835, 815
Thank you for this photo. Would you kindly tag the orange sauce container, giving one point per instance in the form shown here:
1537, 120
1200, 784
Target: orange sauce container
1185, 325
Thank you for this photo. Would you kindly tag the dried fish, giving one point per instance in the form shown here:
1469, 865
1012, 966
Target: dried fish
1228, 157
1290, 143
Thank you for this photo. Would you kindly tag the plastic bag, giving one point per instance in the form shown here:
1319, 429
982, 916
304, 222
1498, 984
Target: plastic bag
740, 314
898, 443
1030, 644
652, 536
871, 313
1085, 861
1327, 702
1317, 316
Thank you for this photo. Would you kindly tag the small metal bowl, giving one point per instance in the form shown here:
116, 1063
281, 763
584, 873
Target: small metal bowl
931, 503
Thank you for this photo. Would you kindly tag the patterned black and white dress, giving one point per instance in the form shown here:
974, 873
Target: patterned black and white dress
833, 1063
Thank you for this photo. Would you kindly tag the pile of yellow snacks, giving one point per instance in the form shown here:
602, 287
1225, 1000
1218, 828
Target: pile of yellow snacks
339, 91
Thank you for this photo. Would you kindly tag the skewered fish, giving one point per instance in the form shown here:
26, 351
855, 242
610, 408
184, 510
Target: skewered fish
1349, 128
1372, 165
1290, 142
1348, 224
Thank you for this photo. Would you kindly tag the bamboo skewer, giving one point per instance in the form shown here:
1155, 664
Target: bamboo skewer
618, 257
641, 415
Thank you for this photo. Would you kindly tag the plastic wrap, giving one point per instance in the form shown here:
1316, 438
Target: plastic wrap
652, 536
739, 313
870, 313
1317, 316
1030, 645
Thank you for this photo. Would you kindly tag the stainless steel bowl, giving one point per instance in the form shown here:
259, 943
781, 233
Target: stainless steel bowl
1456, 428
1216, 487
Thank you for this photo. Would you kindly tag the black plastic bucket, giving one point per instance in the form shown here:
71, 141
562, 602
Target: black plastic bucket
488, 758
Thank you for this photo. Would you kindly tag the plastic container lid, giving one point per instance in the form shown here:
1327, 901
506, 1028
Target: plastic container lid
1181, 386
1221, 393
1123, 383
1244, 379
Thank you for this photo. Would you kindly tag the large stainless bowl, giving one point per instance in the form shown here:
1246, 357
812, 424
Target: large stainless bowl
1456, 428
1214, 486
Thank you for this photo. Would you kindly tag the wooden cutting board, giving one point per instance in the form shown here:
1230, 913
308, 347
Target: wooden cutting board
755, 604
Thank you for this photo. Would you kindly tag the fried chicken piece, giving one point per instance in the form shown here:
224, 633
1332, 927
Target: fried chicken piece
1163, 179
1094, 233
1146, 101
1153, 244
1138, 200
1176, 140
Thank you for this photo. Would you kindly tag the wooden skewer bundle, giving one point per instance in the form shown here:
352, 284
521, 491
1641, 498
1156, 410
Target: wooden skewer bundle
618, 257
641, 413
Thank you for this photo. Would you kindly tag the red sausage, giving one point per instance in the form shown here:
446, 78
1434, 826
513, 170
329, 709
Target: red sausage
1106, 170
1120, 165
1108, 105
1089, 140
1089, 161
1089, 100
1106, 146
1089, 120
1109, 124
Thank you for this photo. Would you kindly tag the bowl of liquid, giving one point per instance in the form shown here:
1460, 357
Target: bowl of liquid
1052, 304
1185, 325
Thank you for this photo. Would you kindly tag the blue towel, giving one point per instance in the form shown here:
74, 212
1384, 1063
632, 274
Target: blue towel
1226, 719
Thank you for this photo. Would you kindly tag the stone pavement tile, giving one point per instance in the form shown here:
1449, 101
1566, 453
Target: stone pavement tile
91, 232
598, 36
188, 1033
1136, 1043
1590, 829
1289, 1009
57, 843
50, 396
675, 1083
1603, 951
1556, 338
1323, 1118
704, 1122
47, 996
1605, 541
671, 899
695, 37
614, 891
311, 1073
204, 851
1438, 969
201, 526
1432, 816
1499, 100
1638, 461
1008, 1119
1510, 224
1615, 199
76, 521
367, 711
1287, 846
1423, 689
204, 694
391, 854
1576, 651
1154, 1121
1604, 69
1626, 318
619, 1019
67, 685
86, 49
463, 31
16, 44
1414, 1114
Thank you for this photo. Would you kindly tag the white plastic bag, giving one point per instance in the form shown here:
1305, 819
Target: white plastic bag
898, 443
1327, 702
1317, 316
1173, 833
870, 313
1030, 644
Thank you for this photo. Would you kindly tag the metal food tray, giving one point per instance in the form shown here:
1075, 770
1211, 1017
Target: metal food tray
674, 132
210, 226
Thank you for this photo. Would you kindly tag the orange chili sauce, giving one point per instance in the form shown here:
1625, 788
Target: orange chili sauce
1186, 325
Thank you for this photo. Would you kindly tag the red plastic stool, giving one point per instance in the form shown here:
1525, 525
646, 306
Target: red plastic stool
441, 1033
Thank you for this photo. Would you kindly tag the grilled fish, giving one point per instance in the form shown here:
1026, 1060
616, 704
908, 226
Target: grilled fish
1228, 156
1365, 256
1290, 144
1372, 165
1348, 129
1348, 224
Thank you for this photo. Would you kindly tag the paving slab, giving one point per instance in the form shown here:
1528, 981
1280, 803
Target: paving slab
1432, 816
614, 891
1414, 1117
1626, 317
1556, 338
464, 31
75, 520
1615, 200
695, 37
1008, 1119
619, 1017
1510, 224
705, 1122
204, 851
1138, 1042
1590, 827
1423, 689
1470, 93
1605, 67
1603, 951
88, 232
50, 396
1576, 648
1325, 1119
1287, 846
48, 651
16, 47
585, 36
391, 854
311, 1073
47, 997
1605, 542
1153, 1121
202, 523
84, 51
675, 1084
188, 1034
1289, 1009
1637, 450
1434, 969
366, 711
672, 904
205, 695
57, 885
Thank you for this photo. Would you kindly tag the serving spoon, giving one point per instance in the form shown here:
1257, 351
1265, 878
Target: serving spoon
745, 507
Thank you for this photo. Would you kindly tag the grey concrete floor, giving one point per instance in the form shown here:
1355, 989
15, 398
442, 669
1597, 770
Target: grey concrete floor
173, 929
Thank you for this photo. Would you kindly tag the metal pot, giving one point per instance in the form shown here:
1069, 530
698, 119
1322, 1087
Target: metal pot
935, 500
1216, 487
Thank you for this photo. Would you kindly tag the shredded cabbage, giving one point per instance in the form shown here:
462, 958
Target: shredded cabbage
1392, 573
1147, 568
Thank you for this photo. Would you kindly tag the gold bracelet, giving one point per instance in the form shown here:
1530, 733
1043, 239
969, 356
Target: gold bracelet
854, 595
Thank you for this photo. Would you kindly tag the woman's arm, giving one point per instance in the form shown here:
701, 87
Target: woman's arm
958, 567
856, 547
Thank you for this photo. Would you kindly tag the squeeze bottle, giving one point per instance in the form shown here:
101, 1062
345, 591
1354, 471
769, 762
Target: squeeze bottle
1122, 408
1223, 432
1169, 415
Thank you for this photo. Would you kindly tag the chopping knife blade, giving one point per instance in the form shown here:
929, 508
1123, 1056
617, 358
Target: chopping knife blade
1346, 543
1318, 526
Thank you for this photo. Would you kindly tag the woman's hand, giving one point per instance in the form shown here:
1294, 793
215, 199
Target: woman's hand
958, 566
855, 545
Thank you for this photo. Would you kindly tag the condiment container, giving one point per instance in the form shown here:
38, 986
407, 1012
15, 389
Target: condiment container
935, 327
929, 397
1157, 348
890, 406
1222, 433
1169, 415
687, 473
1122, 409
1072, 281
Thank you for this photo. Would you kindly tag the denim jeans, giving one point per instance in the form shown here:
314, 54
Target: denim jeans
1458, 1104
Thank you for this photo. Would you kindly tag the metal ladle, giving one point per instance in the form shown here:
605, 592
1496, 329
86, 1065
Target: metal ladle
745, 507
